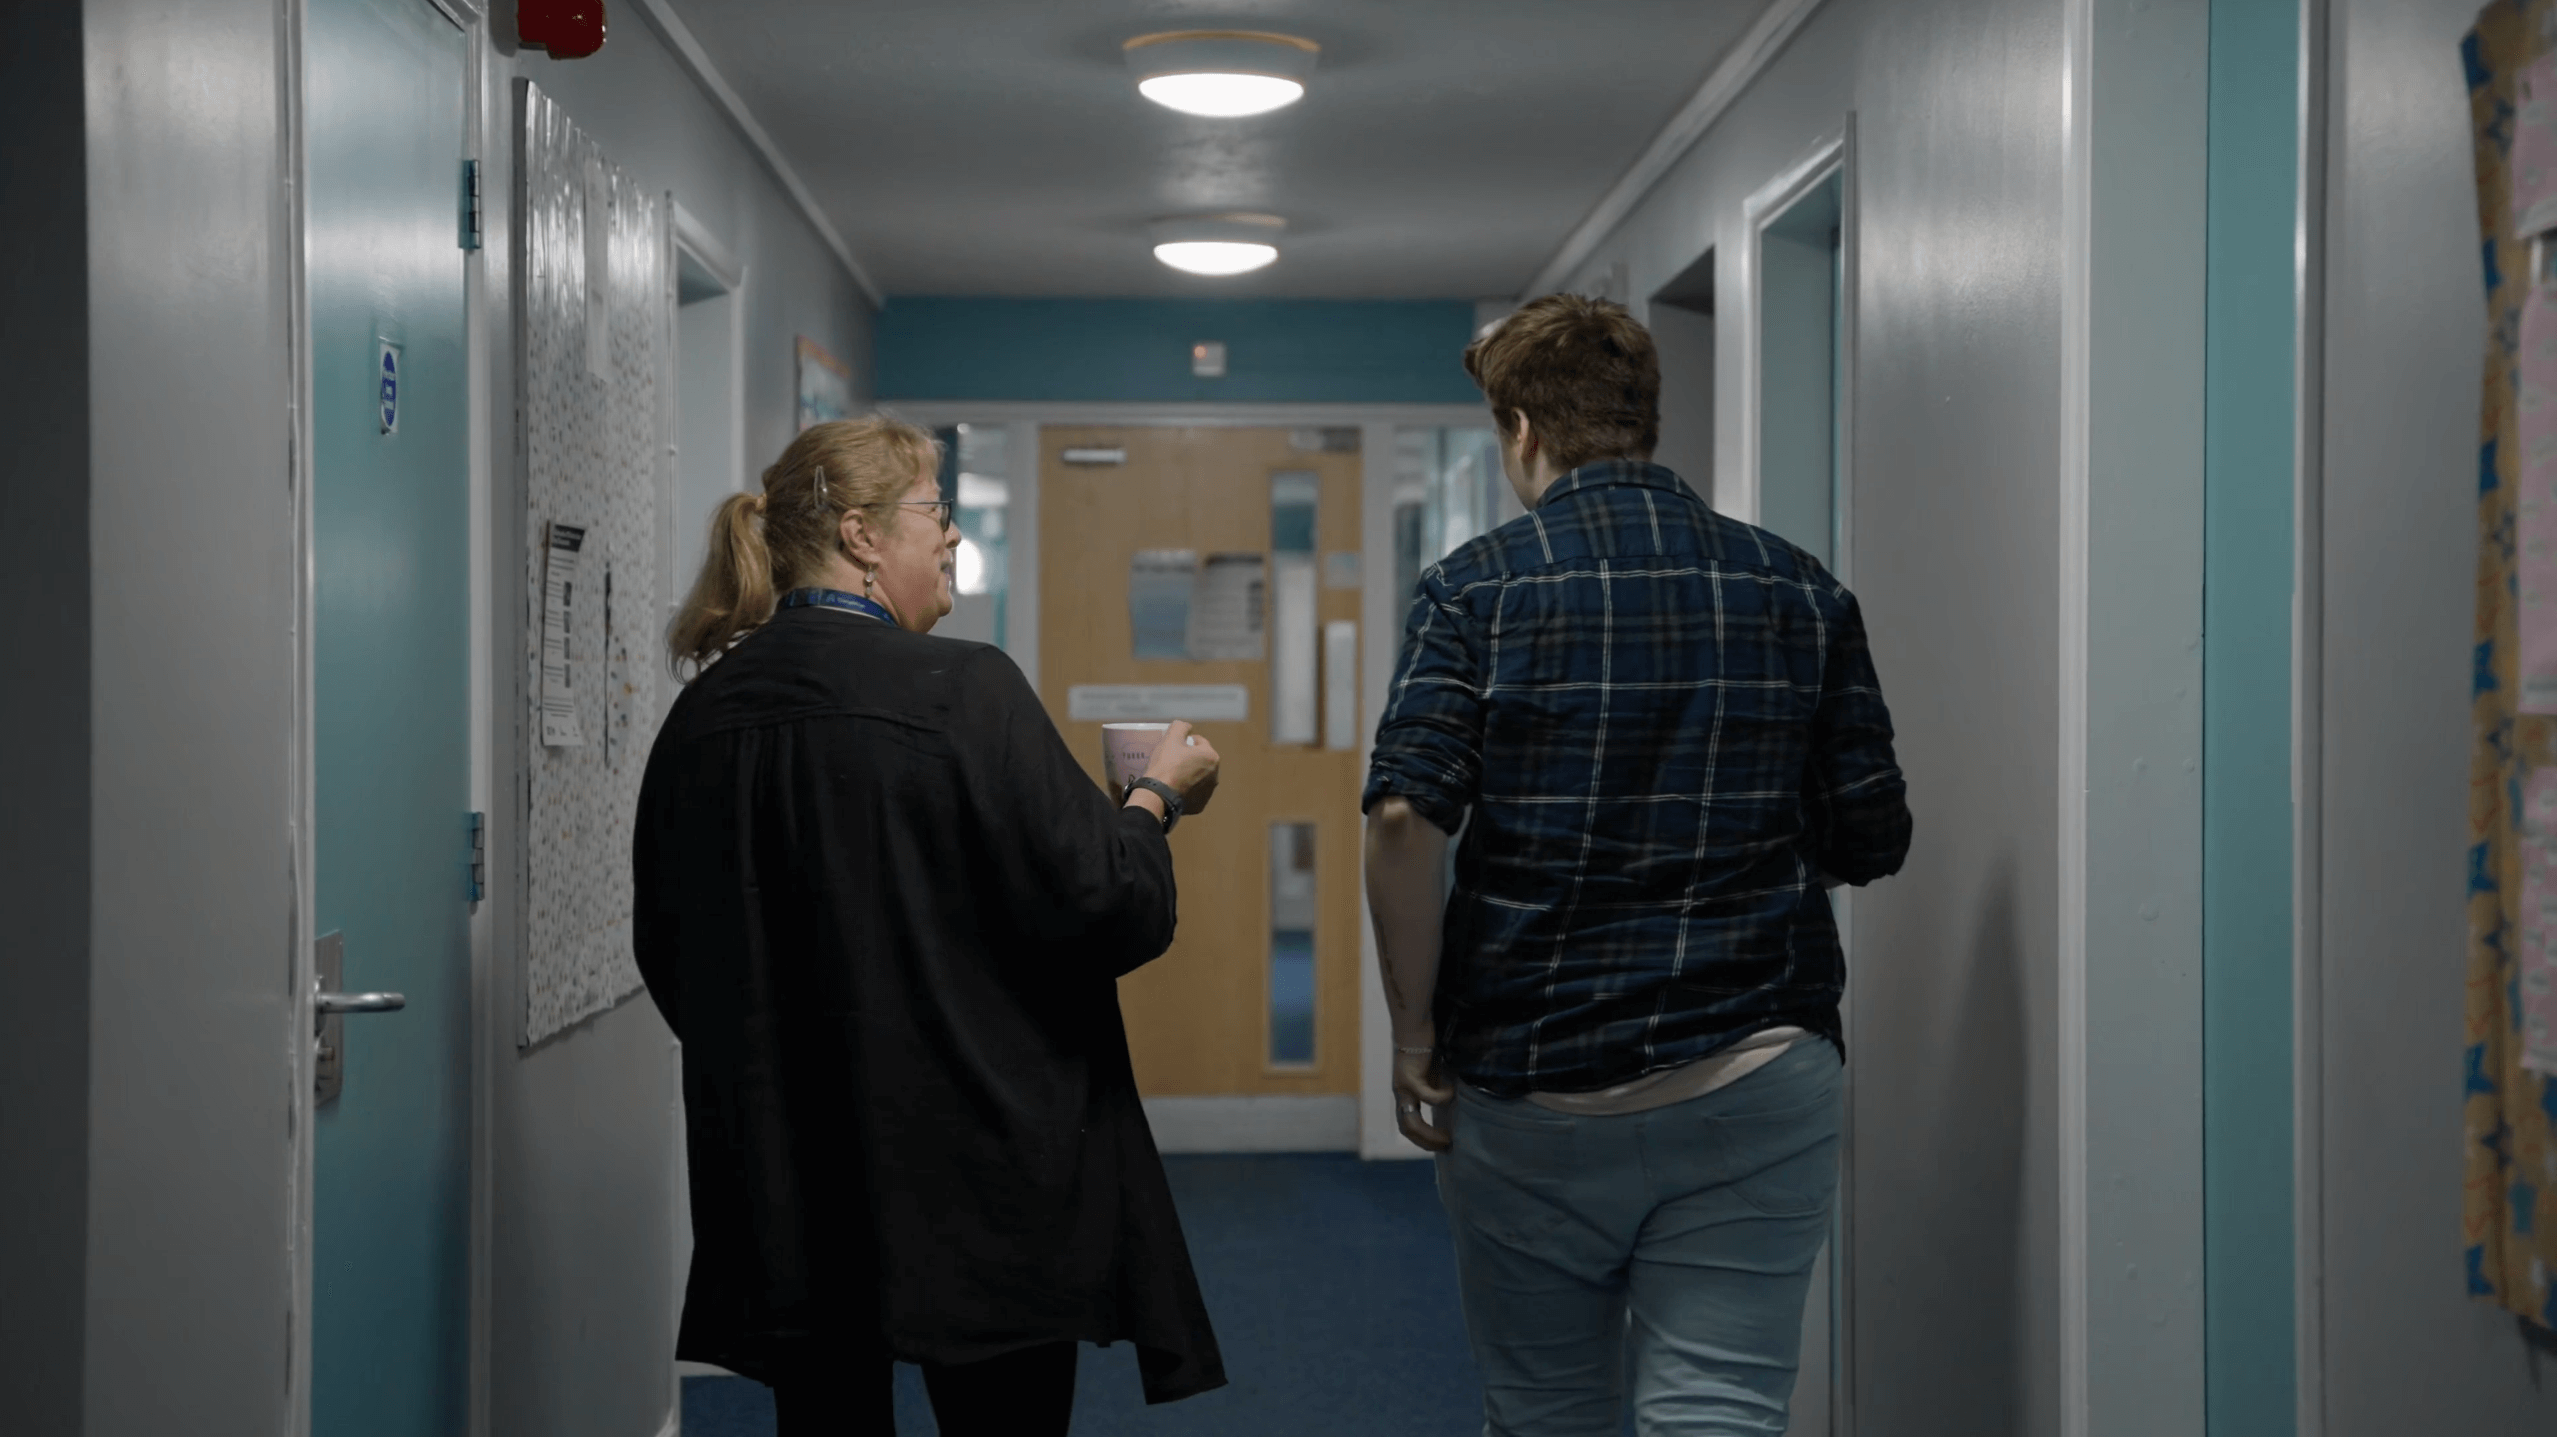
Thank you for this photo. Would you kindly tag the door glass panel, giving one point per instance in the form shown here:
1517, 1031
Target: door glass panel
984, 497
1448, 488
1293, 602
1292, 920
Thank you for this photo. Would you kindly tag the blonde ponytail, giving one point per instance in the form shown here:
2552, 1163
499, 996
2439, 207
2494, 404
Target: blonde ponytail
763, 544
733, 595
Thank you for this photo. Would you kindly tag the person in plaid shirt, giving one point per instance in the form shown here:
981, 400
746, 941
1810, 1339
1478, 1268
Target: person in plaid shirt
1661, 735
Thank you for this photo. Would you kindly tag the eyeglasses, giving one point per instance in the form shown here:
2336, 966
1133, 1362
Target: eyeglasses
940, 509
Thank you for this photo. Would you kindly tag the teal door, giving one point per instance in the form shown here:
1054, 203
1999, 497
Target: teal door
390, 1303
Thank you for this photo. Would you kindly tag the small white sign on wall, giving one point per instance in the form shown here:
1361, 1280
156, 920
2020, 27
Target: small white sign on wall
561, 724
386, 376
1157, 703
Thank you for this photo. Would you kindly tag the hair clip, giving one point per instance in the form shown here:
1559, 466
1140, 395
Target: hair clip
821, 486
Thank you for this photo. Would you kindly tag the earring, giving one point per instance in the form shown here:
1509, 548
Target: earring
870, 582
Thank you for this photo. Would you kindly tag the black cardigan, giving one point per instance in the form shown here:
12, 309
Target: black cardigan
885, 911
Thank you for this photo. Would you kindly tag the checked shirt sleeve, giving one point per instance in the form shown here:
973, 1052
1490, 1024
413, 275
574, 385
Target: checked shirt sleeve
1429, 745
1854, 797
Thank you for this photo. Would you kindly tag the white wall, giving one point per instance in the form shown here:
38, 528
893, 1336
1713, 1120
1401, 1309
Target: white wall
2406, 1349
147, 546
583, 1282
1685, 340
1957, 439
160, 539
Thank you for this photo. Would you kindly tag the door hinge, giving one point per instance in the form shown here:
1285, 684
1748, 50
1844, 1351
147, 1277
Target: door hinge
470, 204
479, 857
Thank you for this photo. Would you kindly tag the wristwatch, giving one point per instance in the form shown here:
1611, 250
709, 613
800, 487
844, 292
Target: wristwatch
1164, 791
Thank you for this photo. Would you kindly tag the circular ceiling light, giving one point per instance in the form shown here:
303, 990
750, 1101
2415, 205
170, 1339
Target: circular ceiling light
1223, 74
1218, 244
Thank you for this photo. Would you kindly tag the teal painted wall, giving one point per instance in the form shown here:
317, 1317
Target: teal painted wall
1799, 273
2247, 1001
1278, 351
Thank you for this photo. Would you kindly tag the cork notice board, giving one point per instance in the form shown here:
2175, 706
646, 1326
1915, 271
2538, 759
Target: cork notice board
593, 253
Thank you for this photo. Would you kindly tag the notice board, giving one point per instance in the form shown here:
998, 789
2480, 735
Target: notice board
593, 308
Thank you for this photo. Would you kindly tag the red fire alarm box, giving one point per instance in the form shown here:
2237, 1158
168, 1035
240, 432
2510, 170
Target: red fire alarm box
568, 29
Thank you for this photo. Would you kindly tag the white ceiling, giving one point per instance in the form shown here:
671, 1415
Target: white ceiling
1444, 149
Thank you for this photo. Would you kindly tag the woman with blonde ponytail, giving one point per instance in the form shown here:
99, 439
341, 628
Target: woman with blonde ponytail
886, 911
837, 489
735, 580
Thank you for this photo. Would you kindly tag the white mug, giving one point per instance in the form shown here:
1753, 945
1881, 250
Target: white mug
1128, 748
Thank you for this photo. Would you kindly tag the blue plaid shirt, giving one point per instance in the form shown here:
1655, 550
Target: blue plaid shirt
1666, 725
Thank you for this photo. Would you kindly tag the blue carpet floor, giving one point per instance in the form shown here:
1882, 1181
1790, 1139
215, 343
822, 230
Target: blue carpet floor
1334, 1296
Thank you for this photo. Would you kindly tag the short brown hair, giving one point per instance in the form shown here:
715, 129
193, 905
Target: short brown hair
765, 543
1581, 370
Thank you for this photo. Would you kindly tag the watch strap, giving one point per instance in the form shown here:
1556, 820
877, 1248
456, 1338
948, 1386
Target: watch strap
1171, 799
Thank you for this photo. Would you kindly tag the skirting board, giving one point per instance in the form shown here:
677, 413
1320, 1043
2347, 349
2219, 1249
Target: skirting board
1327, 1123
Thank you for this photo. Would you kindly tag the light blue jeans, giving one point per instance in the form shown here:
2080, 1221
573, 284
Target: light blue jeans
1675, 1245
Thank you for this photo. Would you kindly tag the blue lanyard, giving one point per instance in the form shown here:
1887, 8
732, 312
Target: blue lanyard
837, 599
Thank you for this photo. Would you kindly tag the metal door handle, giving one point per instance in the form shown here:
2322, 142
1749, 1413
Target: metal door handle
328, 1010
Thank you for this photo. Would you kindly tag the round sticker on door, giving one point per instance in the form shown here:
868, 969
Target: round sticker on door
387, 374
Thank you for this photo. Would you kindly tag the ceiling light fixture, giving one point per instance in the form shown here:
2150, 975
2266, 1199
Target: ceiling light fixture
1223, 74
1218, 244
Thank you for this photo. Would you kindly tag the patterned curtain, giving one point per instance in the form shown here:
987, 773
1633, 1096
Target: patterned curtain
2510, 1109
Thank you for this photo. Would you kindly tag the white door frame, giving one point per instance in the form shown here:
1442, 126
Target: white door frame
1834, 154
301, 968
479, 337
1380, 608
2308, 719
2133, 309
690, 236
695, 238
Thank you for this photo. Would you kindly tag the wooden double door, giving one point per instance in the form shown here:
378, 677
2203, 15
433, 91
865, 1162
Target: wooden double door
1258, 960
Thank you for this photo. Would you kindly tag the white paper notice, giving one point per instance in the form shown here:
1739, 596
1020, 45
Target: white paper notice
560, 728
1226, 609
1160, 582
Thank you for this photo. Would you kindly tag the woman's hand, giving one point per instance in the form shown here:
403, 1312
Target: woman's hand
1188, 763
